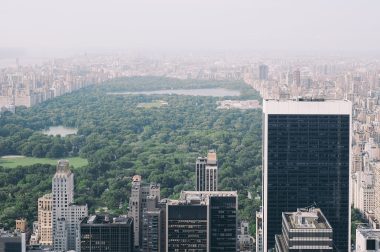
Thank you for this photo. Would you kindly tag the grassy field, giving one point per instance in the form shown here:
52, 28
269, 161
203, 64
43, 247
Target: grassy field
14, 161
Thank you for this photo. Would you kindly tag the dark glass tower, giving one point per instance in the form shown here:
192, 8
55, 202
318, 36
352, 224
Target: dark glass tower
306, 160
223, 223
98, 234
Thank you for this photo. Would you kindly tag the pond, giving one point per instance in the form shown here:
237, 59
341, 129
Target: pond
60, 130
215, 92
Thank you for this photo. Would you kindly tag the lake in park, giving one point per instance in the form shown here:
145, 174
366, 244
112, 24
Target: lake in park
215, 92
60, 130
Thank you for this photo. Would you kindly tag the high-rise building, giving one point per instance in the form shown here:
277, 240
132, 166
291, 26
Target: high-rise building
263, 72
202, 221
306, 161
363, 191
152, 223
100, 233
305, 230
206, 172
66, 215
138, 202
45, 219
12, 242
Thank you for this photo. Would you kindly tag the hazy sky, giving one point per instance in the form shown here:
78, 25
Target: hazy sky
235, 25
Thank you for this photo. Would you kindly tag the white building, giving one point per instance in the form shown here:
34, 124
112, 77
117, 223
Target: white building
367, 239
65, 215
363, 191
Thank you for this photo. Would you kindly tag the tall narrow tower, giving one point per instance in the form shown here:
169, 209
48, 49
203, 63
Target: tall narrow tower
306, 160
65, 215
206, 172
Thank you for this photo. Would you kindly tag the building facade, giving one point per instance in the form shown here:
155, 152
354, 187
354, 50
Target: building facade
305, 230
66, 216
137, 204
100, 233
202, 221
306, 161
45, 228
367, 239
206, 172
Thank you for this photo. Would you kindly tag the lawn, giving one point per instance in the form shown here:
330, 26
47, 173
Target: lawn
14, 161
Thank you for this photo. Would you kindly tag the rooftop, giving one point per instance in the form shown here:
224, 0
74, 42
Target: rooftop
369, 233
311, 218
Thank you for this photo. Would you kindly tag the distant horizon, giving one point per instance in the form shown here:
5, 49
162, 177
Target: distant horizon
171, 26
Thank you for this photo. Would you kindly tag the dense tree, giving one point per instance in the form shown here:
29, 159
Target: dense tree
120, 139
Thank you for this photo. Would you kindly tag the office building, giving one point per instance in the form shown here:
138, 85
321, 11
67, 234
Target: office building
367, 239
102, 233
202, 221
152, 224
263, 72
305, 230
138, 202
66, 215
45, 227
306, 161
12, 242
206, 172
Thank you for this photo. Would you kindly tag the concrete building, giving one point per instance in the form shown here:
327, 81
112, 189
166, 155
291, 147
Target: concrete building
306, 160
376, 171
305, 230
45, 228
21, 225
101, 233
363, 191
202, 221
259, 231
245, 240
206, 172
152, 224
137, 204
66, 215
367, 239
12, 242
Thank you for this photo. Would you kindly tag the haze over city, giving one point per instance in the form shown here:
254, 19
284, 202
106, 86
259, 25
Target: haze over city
52, 27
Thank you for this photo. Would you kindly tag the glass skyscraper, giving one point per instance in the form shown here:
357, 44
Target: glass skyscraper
306, 161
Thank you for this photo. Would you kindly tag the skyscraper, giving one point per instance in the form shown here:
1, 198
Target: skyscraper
263, 72
202, 221
137, 204
66, 215
151, 225
306, 160
206, 172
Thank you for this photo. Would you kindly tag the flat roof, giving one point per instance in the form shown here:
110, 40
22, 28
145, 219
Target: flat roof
317, 107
